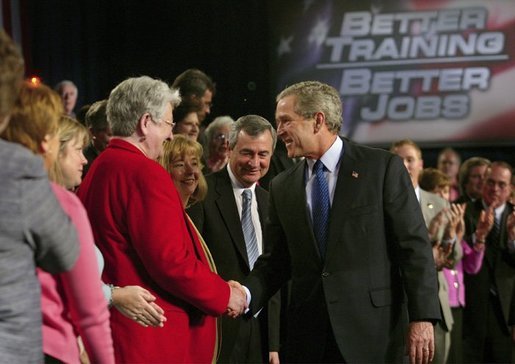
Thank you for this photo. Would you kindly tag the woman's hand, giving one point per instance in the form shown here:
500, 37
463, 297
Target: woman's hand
139, 305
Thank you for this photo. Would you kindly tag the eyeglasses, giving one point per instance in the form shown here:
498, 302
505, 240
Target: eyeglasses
171, 123
221, 137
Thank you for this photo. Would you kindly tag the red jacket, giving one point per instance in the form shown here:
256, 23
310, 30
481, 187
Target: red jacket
141, 228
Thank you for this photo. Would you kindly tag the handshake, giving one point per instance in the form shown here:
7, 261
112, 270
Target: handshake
237, 301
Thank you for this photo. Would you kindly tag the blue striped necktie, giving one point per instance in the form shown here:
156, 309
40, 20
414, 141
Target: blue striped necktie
248, 228
320, 206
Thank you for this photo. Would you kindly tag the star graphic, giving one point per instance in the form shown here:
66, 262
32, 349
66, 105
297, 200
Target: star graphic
319, 33
284, 46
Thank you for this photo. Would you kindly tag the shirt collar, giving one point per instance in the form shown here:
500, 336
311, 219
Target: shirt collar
236, 185
330, 158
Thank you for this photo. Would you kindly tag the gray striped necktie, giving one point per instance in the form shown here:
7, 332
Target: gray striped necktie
248, 228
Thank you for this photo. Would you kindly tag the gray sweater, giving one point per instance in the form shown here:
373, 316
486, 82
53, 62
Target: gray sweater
34, 231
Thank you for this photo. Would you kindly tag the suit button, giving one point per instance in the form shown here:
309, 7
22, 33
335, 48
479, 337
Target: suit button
325, 274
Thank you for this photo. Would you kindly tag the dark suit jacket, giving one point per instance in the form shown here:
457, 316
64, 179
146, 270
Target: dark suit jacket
498, 270
219, 223
378, 253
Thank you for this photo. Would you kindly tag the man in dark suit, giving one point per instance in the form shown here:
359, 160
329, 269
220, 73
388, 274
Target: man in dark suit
372, 252
471, 178
490, 311
220, 219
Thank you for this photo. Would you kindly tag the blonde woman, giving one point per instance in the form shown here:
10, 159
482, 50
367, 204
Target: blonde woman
131, 301
182, 159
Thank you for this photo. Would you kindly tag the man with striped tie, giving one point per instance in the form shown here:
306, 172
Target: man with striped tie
489, 315
230, 220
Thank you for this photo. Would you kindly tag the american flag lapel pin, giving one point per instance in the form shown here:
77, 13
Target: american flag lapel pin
355, 174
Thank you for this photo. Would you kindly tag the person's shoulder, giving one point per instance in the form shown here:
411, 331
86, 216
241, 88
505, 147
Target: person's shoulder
435, 199
364, 151
19, 162
68, 200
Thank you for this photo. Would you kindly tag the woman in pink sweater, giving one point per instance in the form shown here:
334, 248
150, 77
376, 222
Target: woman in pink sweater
72, 303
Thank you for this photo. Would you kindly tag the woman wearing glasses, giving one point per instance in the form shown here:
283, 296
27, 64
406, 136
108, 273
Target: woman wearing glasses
217, 151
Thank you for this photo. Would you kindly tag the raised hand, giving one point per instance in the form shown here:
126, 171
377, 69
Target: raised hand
139, 305
237, 301
435, 224
484, 224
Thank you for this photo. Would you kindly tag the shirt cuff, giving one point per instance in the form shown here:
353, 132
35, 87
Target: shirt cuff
249, 297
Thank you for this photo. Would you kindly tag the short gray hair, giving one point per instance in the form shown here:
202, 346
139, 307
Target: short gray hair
218, 122
60, 85
134, 97
252, 125
313, 97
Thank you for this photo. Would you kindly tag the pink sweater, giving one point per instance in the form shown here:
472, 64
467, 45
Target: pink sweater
471, 264
72, 302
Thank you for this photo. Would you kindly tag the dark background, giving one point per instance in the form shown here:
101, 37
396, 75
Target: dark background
97, 44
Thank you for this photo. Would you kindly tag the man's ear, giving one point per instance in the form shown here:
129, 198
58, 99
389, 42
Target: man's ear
319, 121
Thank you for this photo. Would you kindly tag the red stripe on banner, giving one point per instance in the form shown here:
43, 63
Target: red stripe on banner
6, 11
500, 127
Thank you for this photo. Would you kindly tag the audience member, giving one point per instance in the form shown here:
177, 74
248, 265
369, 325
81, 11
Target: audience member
96, 121
217, 150
186, 120
433, 180
431, 205
182, 160
72, 303
198, 88
471, 177
449, 163
362, 220
34, 231
488, 317
141, 228
68, 93
233, 197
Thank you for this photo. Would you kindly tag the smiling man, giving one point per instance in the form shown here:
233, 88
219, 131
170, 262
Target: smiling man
345, 226
222, 221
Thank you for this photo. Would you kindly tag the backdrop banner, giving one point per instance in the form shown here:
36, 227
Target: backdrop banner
432, 71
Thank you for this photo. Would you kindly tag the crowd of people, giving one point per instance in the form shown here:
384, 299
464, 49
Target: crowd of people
137, 232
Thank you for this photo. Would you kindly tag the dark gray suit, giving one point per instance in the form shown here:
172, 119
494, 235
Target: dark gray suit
489, 295
34, 230
378, 254
219, 223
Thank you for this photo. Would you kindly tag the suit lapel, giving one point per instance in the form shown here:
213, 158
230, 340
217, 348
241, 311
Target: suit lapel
291, 196
347, 185
229, 212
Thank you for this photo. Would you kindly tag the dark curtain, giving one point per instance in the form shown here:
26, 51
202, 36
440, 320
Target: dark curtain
99, 43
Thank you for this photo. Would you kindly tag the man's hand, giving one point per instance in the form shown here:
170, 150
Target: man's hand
237, 301
484, 224
273, 357
421, 346
138, 304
